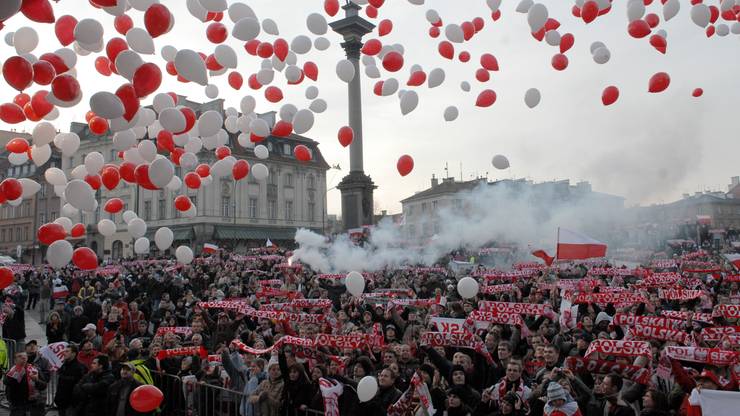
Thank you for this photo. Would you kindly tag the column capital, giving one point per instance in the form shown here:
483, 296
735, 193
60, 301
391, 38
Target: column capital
352, 48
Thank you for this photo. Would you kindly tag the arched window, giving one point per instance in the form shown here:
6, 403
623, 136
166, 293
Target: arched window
117, 249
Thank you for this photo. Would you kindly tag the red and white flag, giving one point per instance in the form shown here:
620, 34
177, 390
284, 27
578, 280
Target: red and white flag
575, 246
717, 402
734, 259
543, 255
210, 248
60, 292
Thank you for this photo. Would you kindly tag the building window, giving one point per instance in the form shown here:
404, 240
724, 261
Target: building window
161, 208
272, 209
289, 179
311, 182
2, 235
117, 249
225, 203
288, 210
53, 216
26, 232
17, 233
194, 200
424, 206
311, 211
272, 179
42, 218
113, 153
286, 149
27, 209
42, 191
253, 208
147, 210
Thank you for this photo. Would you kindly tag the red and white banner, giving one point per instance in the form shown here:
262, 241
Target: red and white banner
209, 248
679, 294
575, 246
453, 324
179, 330
455, 339
311, 303
624, 319
178, 352
60, 292
54, 353
493, 289
517, 308
716, 333
699, 317
619, 348
353, 341
580, 365
714, 356
619, 298
728, 311
309, 318
661, 333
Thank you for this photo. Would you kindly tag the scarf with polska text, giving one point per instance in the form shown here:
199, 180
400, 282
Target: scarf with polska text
713, 356
619, 348
728, 311
684, 315
402, 406
625, 319
516, 308
618, 298
661, 333
679, 294
178, 352
500, 318
579, 365
456, 339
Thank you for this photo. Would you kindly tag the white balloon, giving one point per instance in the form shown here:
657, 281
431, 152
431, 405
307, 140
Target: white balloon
94, 162
524, 5
209, 123
29, 186
55, 177
9, 39
184, 254
189, 66
355, 283
175, 184
316, 24
68, 56
142, 5
259, 127
246, 29
367, 388
127, 62
436, 77
43, 133
700, 14
635, 10
287, 112
129, 215
451, 113
106, 105
65, 222
312, 92
552, 37
270, 27
88, 32
137, 227
211, 91
596, 45
17, 159
722, 29
532, 97
500, 162
259, 171
124, 140
139, 40
247, 104
197, 10
261, 152
25, 40
494, 5
670, 9
301, 44
318, 106
454, 33
69, 211
602, 55
293, 73
726, 5
59, 253
195, 144
303, 121
390, 86
161, 172
162, 101
222, 167
172, 119
409, 101
321, 43
467, 287
537, 17
372, 72
238, 11
141, 245
40, 154
106, 227
163, 238
69, 143
214, 5
465, 86
80, 195
168, 52
735, 28
432, 16
9, 8
225, 56
345, 70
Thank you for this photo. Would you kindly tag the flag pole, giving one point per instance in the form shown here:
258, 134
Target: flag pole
557, 246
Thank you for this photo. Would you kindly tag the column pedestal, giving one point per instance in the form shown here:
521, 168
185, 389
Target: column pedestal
357, 200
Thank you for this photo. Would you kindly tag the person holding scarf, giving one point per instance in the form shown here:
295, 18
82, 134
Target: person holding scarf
23, 386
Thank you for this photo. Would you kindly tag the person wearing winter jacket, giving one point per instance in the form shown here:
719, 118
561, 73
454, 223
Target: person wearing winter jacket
559, 402
297, 390
69, 374
92, 391
23, 387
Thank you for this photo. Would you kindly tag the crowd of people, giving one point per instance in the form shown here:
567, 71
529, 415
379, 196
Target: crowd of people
277, 338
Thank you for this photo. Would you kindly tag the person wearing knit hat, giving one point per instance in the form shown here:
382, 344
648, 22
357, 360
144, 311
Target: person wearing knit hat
559, 402
602, 317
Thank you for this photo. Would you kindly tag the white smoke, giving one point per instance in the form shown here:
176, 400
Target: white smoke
504, 212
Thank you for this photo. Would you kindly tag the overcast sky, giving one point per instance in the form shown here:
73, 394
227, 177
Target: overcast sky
646, 147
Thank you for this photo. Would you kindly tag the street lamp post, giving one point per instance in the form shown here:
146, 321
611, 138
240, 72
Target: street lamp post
357, 188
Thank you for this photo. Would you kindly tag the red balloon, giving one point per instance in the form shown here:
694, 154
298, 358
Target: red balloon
385, 27
18, 72
273, 94
240, 170
566, 42
371, 12
589, 11
65, 87
281, 49
698, 92
50, 232
94, 181
182, 203
417, 78
170, 68
253, 83
59, 65
393, 61
255, 138
464, 56
142, 177
127, 170
235, 80
659, 82
302, 153
496, 15
114, 47
222, 152
157, 20
468, 30
551, 24
282, 129
203, 170
189, 119
482, 75
251, 46
65, 29
405, 165
486, 98
146, 398
710, 31
192, 180
311, 70
40, 104
610, 95
165, 141
43, 73
102, 65
147, 78
77, 231
331, 7
110, 177
6, 277
539, 35
84, 258
376, 3
372, 47
434, 32
216, 32
652, 19
38, 10
30, 114
659, 43
638, 28
11, 188
17, 145
559, 61
265, 50
489, 62
123, 24
22, 99
346, 135
12, 113
127, 94
479, 23
98, 125
176, 154
713, 13
446, 49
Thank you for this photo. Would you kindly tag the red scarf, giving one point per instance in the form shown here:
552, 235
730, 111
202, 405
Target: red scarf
177, 352
18, 373
619, 348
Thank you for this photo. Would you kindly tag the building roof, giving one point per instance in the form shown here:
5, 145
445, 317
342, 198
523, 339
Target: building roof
449, 186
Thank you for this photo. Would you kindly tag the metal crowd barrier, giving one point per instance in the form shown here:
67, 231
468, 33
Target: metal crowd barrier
188, 397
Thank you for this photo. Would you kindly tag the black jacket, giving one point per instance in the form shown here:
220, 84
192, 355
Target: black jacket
297, 393
91, 393
69, 374
15, 327
115, 391
17, 391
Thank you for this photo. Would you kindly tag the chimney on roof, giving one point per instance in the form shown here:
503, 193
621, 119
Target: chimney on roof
435, 181
734, 181
686, 196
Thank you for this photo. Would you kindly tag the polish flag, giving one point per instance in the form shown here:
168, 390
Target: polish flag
210, 248
574, 246
543, 255
717, 402
60, 292
734, 259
